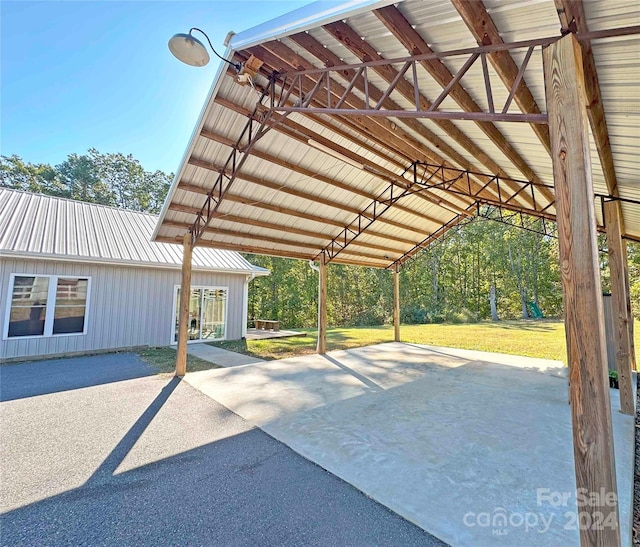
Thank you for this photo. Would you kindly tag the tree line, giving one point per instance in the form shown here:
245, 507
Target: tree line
108, 179
480, 270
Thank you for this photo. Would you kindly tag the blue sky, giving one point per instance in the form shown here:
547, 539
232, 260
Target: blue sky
98, 74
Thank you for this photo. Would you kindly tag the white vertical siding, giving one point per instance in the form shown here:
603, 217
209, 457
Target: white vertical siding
128, 306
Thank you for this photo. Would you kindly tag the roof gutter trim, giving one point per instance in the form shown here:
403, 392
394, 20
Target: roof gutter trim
208, 104
304, 18
256, 270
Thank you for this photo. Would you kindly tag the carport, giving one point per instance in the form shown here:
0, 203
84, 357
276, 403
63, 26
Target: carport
361, 133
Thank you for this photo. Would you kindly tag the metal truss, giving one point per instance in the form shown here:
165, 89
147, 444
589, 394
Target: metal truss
518, 220
293, 84
258, 124
438, 177
438, 236
366, 218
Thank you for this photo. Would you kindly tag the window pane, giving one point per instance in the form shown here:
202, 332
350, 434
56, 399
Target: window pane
71, 300
28, 306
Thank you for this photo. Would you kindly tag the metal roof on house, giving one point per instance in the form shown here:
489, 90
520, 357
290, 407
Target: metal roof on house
46, 227
339, 157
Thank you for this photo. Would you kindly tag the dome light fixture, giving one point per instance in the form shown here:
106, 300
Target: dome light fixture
192, 51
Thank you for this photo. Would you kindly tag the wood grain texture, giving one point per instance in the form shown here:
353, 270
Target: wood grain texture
620, 304
415, 44
322, 307
483, 28
185, 292
573, 10
584, 319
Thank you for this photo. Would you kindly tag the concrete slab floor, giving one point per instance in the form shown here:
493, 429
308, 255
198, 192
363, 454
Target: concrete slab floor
474, 447
220, 356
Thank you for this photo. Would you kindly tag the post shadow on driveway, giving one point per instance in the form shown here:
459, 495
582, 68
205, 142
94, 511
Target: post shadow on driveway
18, 381
243, 488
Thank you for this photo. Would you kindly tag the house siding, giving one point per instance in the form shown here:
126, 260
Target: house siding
128, 306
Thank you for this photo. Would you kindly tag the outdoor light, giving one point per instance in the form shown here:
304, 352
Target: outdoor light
192, 51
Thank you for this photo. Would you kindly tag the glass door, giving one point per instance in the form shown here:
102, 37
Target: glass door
207, 314
213, 314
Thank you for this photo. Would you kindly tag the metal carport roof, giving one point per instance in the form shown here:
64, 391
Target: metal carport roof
323, 166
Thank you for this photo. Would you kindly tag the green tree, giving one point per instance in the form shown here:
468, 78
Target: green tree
39, 178
108, 179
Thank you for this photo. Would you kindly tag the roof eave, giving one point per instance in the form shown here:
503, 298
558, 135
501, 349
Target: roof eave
307, 17
4, 253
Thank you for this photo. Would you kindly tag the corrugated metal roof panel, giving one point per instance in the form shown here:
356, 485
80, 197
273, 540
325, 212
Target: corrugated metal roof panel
442, 27
41, 226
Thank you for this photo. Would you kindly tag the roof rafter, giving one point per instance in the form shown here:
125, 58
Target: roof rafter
283, 54
279, 187
278, 209
278, 228
303, 171
398, 25
364, 51
573, 10
475, 16
316, 48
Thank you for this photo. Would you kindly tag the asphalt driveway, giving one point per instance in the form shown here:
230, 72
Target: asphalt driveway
102, 451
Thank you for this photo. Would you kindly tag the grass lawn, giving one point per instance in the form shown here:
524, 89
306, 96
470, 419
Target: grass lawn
544, 339
164, 359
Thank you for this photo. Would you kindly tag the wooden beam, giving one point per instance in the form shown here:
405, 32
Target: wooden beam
365, 52
619, 300
475, 16
306, 172
625, 262
573, 10
584, 317
322, 307
411, 39
253, 249
280, 187
185, 293
233, 198
392, 137
244, 221
396, 304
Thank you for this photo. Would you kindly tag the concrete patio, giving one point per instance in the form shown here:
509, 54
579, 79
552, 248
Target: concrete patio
473, 447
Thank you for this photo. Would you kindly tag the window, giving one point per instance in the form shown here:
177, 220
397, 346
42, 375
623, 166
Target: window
207, 313
47, 305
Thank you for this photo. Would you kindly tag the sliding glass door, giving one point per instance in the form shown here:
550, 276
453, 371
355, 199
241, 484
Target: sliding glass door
207, 313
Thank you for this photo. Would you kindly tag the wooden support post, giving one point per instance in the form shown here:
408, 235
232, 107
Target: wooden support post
584, 320
396, 305
619, 301
632, 342
322, 306
185, 294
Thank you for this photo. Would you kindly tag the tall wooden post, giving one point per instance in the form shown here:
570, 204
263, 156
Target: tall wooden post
396, 305
584, 320
619, 301
322, 306
632, 343
185, 297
